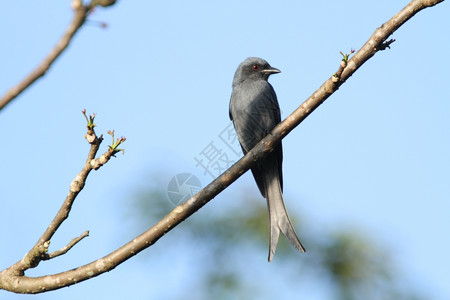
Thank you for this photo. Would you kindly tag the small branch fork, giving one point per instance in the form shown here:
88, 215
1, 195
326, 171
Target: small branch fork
13, 278
65, 249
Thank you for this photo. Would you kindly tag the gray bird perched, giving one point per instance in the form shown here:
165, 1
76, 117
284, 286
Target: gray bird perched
254, 111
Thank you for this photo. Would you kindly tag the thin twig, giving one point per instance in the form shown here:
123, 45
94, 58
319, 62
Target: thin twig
78, 19
75, 188
69, 246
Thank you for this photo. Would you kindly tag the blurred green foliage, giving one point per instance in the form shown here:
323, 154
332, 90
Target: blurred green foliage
345, 262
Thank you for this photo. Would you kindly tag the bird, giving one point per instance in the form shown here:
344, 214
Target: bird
254, 111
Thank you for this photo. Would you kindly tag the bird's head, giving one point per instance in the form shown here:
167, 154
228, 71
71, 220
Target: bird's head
253, 68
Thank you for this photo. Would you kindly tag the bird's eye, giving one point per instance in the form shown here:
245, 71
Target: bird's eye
255, 67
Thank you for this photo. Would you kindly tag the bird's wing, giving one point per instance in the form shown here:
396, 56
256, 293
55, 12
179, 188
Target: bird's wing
255, 112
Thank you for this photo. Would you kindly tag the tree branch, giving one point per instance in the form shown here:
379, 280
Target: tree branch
69, 246
81, 12
13, 281
77, 184
12, 275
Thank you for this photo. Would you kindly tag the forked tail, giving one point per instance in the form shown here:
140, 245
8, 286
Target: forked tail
278, 217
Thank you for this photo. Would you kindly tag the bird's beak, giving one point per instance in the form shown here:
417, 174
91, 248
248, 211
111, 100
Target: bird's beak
270, 71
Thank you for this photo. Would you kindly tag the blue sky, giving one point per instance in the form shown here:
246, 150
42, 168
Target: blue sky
374, 157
